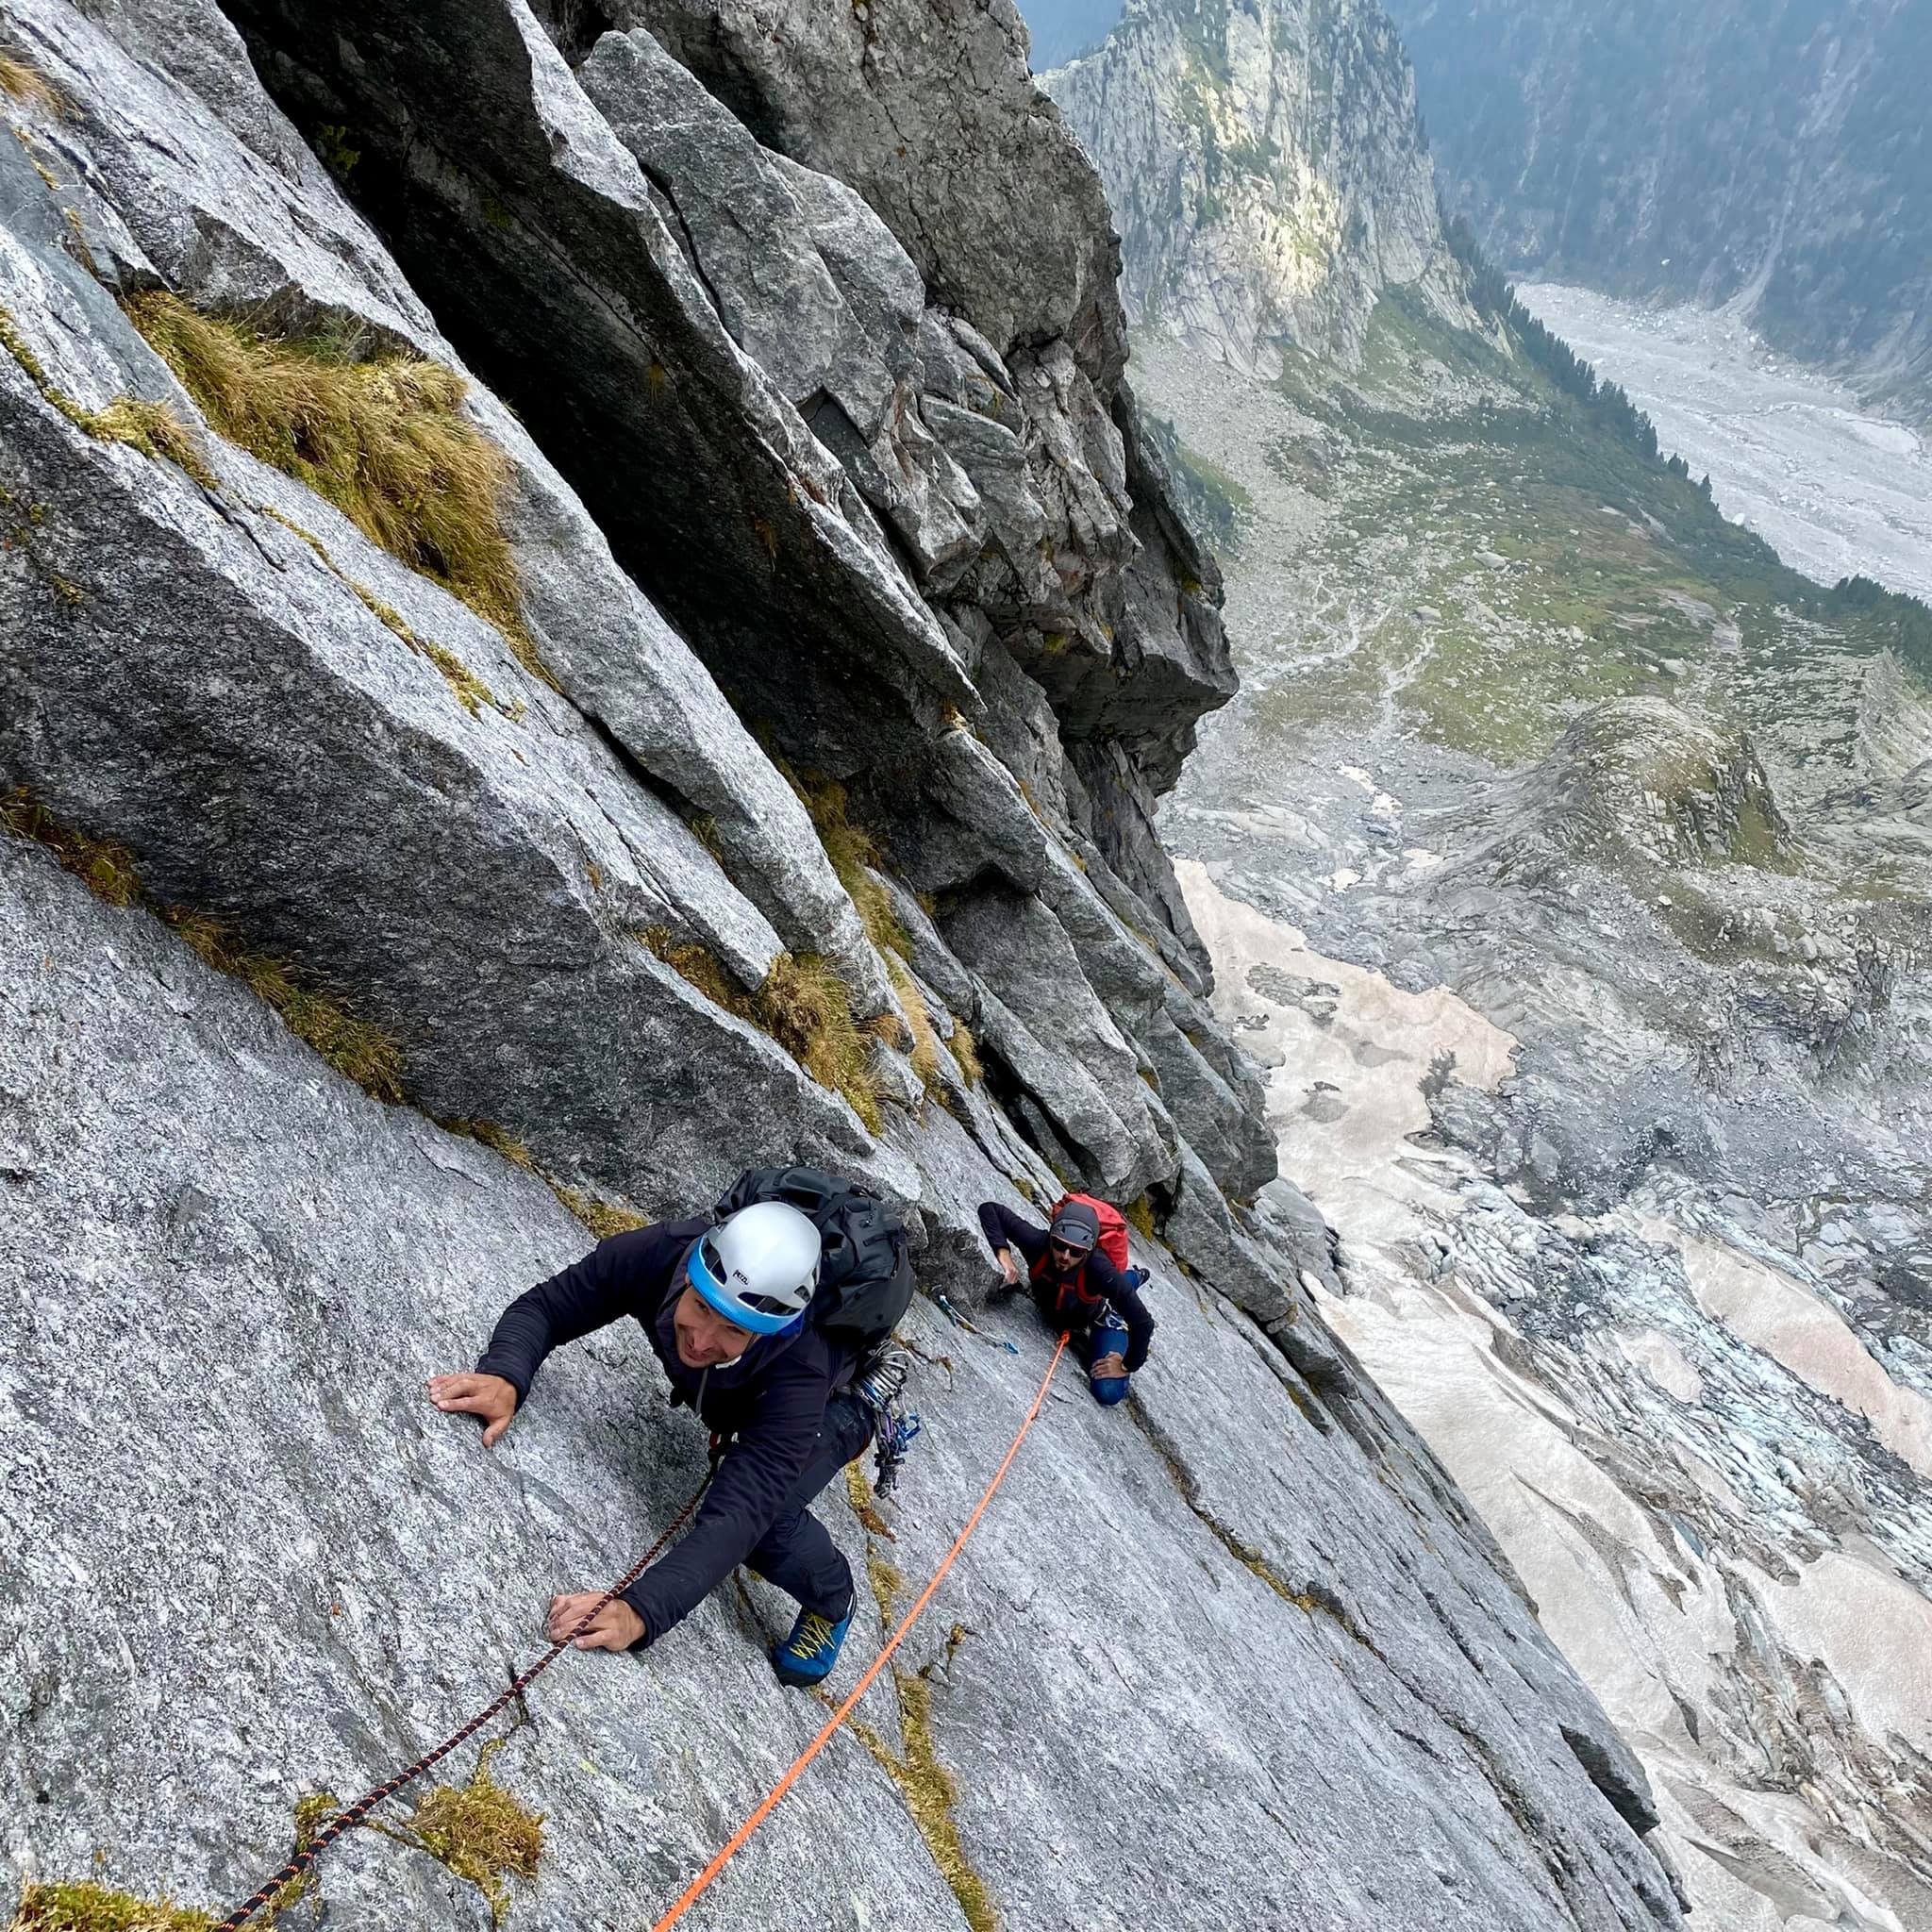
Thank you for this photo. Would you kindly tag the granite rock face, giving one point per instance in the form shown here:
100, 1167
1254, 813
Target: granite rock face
1242, 1630
1268, 170
855, 635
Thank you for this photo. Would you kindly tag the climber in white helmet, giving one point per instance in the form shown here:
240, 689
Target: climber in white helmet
724, 1304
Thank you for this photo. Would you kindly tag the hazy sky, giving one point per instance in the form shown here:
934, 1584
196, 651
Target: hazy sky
1062, 28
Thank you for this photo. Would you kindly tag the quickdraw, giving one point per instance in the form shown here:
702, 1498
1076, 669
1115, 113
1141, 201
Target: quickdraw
960, 1321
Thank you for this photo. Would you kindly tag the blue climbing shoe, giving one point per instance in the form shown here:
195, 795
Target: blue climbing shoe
807, 1656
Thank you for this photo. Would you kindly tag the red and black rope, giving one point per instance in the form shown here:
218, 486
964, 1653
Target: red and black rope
348, 1819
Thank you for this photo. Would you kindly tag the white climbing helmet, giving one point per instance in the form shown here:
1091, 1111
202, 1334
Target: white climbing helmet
758, 1268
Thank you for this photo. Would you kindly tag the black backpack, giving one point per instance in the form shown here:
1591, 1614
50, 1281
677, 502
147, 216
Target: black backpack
865, 1275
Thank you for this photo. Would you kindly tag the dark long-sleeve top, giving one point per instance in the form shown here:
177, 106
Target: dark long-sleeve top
1059, 1297
770, 1401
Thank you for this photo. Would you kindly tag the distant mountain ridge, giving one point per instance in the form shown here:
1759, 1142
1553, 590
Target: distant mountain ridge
1771, 156
1267, 170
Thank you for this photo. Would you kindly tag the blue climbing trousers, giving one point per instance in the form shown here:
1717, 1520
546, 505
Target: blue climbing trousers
1107, 1336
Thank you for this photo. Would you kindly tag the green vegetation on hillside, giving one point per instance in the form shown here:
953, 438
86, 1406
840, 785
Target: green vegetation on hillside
1215, 504
1507, 545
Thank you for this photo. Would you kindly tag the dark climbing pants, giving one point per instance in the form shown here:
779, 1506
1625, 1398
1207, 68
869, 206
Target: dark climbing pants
798, 1552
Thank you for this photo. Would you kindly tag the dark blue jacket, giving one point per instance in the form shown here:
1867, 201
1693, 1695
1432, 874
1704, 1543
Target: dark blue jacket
1070, 1301
770, 1401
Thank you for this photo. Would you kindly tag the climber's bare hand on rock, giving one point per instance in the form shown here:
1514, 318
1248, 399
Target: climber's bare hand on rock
488, 1396
1010, 1274
616, 1627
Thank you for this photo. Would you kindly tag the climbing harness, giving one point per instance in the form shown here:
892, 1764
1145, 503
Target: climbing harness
770, 1799
355, 1813
960, 1321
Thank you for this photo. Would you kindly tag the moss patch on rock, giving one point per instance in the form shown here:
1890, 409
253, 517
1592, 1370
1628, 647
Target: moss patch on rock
931, 1796
90, 1907
150, 427
480, 1833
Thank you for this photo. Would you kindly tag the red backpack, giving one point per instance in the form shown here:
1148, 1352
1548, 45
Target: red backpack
1113, 1226
1075, 1294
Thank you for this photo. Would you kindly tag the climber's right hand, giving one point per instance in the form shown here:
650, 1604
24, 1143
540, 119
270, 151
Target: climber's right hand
1010, 1274
488, 1396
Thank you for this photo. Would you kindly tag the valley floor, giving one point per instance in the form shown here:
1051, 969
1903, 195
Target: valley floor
1837, 490
1689, 1385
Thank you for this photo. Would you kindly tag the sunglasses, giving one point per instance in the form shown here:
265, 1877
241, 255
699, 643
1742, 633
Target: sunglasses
1068, 1250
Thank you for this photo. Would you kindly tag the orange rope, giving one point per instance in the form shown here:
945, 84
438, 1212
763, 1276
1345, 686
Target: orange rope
878, 1663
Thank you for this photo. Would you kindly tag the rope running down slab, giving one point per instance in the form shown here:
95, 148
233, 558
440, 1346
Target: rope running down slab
878, 1663
355, 1813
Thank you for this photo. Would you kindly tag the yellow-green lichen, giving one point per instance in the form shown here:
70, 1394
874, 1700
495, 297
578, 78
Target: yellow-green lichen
90, 1907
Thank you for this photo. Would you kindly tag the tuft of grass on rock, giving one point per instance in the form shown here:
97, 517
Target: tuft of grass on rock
27, 85
803, 1005
480, 1833
854, 856
1139, 1214
926, 1039
924, 1782
602, 1218
498, 1139
356, 1048
965, 1050
703, 969
106, 870
384, 438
